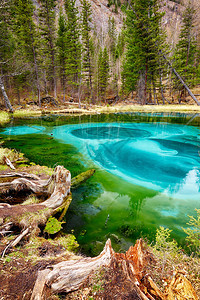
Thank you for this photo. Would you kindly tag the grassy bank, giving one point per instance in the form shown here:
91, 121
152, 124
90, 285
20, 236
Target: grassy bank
5, 117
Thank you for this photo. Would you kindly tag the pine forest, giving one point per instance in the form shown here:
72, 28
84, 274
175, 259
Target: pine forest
142, 51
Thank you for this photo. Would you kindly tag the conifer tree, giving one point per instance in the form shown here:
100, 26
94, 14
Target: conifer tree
47, 18
27, 38
87, 44
185, 57
144, 42
62, 53
120, 44
103, 72
112, 37
73, 45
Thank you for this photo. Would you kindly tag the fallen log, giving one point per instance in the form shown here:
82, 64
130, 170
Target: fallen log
29, 217
81, 178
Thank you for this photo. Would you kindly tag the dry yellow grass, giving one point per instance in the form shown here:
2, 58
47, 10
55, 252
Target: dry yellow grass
150, 108
4, 117
22, 113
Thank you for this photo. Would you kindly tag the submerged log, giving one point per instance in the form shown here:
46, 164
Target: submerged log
81, 178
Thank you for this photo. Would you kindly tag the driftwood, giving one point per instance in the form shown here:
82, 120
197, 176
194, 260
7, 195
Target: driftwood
58, 186
33, 182
29, 217
15, 241
68, 276
8, 163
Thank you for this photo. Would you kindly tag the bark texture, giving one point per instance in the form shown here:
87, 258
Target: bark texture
68, 276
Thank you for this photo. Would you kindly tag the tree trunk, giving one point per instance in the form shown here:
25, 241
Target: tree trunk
6, 100
68, 276
35, 66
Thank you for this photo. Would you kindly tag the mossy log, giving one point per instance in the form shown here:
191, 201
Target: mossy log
81, 178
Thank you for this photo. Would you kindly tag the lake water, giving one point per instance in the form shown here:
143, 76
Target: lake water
147, 171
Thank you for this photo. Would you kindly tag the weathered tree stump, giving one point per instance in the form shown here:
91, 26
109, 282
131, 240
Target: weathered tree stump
29, 217
68, 276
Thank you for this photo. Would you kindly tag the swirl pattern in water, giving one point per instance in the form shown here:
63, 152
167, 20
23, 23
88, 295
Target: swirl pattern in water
160, 156
164, 157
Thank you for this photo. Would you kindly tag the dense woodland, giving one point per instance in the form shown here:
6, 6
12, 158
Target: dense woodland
53, 47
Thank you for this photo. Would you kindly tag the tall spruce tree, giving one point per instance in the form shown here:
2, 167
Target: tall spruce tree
112, 37
144, 42
73, 46
185, 58
25, 30
87, 44
103, 72
47, 18
62, 53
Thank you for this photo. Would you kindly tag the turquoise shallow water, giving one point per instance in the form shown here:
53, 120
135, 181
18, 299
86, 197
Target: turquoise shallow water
148, 174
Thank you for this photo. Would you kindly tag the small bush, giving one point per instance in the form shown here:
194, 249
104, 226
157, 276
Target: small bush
193, 233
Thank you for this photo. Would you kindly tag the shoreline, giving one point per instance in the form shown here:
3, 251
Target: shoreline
35, 111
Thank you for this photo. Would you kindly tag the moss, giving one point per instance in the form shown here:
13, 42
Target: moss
68, 242
31, 200
12, 155
53, 226
3, 167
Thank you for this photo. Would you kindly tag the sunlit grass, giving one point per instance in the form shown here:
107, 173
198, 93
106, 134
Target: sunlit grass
4, 117
149, 108
26, 113
12, 155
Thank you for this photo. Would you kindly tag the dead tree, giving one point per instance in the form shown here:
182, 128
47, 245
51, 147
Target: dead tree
29, 217
68, 276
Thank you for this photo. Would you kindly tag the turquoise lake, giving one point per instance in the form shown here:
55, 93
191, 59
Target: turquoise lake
147, 171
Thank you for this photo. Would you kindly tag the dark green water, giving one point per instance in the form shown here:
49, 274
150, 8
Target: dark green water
147, 171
